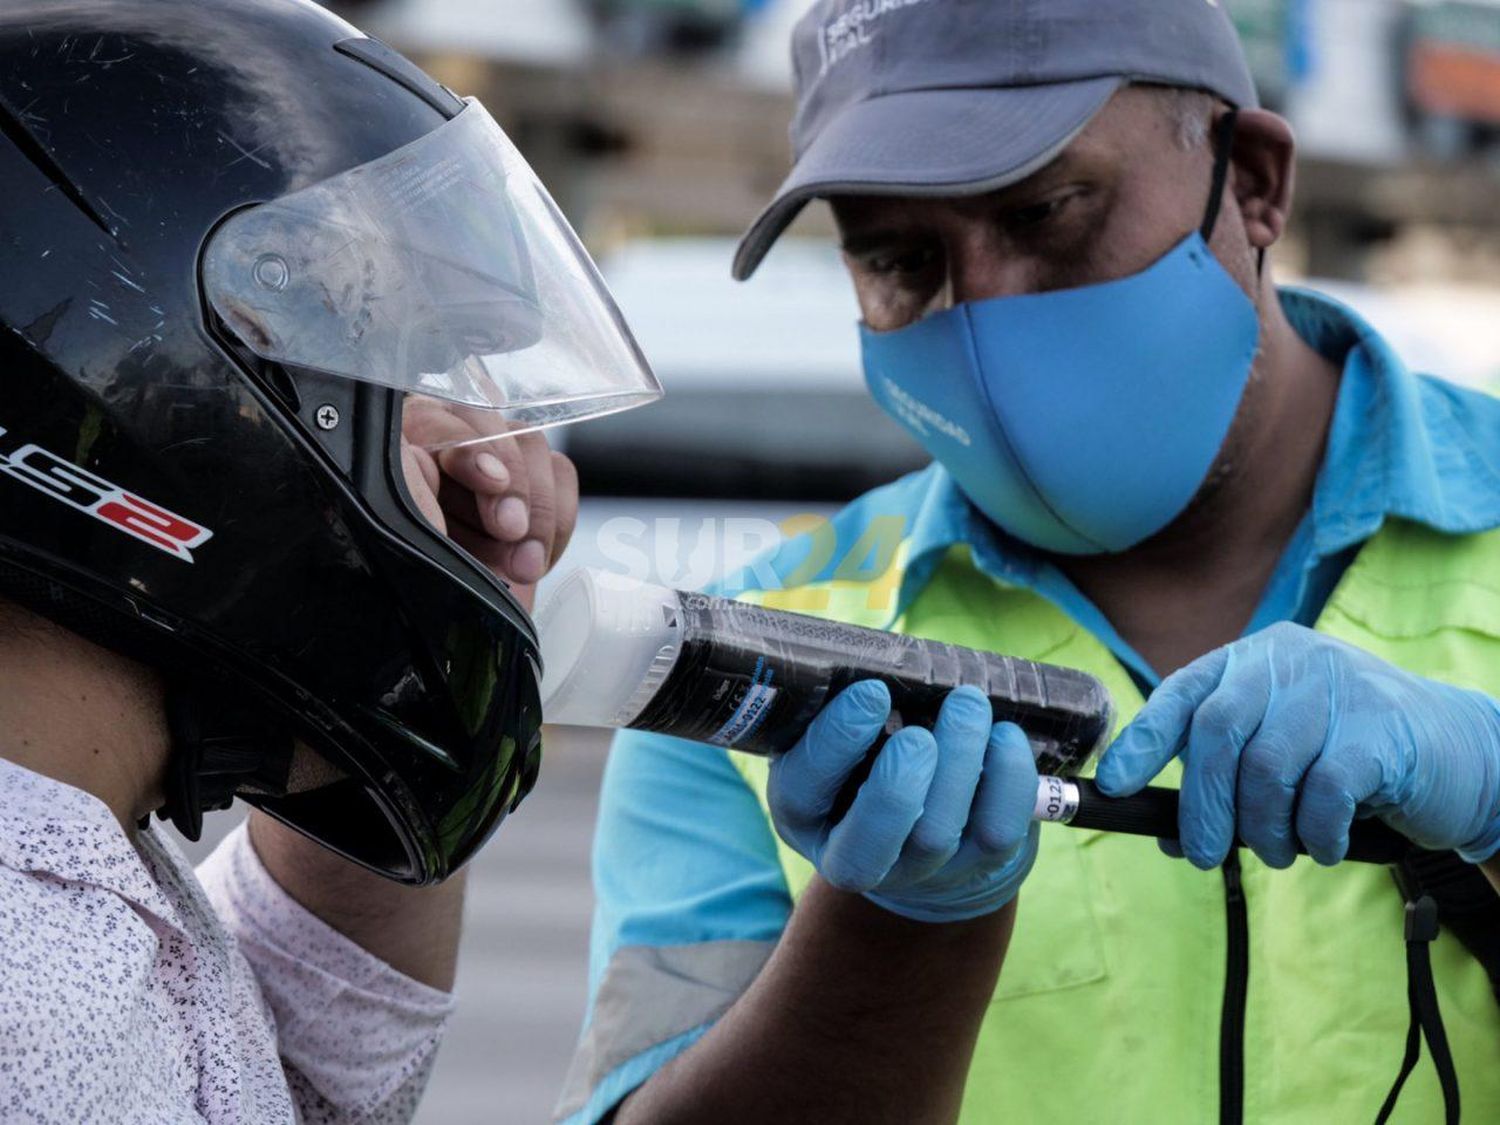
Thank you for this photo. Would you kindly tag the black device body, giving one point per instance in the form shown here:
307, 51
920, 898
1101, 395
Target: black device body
752, 679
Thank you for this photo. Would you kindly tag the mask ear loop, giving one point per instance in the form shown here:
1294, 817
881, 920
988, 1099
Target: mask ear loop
1223, 151
1223, 154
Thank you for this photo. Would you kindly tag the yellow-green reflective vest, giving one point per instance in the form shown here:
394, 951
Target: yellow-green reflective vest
1108, 1007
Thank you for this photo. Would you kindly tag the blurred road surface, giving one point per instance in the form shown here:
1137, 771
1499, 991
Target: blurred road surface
522, 976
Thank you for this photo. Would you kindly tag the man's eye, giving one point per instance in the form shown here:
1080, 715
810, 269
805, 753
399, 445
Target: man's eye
905, 262
1040, 213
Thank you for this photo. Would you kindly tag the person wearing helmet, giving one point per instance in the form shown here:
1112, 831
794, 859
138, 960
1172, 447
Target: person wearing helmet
276, 311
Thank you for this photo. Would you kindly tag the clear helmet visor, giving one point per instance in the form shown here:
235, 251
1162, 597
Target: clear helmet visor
443, 269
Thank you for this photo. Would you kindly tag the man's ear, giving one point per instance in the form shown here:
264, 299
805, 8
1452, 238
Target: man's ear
1264, 174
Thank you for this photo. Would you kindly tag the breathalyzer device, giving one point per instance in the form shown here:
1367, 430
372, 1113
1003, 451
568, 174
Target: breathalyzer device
620, 653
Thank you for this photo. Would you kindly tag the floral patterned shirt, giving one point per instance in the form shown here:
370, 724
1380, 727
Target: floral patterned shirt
133, 991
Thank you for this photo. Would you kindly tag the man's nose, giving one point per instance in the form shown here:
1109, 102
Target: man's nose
982, 269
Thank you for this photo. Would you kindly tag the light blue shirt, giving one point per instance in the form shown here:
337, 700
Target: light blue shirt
684, 853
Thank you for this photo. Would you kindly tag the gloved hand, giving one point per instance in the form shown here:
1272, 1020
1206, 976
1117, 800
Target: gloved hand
1289, 734
941, 830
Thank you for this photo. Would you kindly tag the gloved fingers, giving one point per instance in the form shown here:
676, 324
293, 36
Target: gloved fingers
997, 845
1003, 807
1269, 779
1160, 731
1220, 728
1344, 775
1273, 765
1023, 859
962, 733
865, 845
806, 780
981, 884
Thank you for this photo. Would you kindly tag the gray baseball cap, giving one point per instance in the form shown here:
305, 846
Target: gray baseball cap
958, 97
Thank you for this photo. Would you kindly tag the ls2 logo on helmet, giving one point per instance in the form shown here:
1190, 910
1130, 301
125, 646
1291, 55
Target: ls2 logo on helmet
62, 480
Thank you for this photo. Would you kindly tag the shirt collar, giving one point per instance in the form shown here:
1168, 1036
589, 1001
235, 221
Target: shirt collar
1398, 447
52, 828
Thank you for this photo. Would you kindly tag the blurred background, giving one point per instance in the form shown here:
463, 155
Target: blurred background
660, 126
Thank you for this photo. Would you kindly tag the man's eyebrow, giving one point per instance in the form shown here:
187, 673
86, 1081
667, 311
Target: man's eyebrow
1067, 165
865, 242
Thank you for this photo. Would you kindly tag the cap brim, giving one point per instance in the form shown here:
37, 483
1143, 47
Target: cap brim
930, 142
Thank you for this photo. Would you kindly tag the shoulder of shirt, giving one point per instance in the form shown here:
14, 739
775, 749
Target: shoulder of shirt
1418, 447
60, 939
80, 1009
1477, 407
1462, 445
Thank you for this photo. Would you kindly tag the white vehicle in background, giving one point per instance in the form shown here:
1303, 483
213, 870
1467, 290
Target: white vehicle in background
765, 399
765, 426
1445, 330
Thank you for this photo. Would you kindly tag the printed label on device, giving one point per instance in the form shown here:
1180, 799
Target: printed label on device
1056, 801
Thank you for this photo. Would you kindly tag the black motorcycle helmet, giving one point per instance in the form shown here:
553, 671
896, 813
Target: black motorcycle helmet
236, 236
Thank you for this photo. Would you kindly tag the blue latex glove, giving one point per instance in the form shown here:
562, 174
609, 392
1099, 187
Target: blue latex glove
1290, 735
941, 830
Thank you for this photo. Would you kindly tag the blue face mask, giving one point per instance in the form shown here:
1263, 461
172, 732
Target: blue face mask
1080, 421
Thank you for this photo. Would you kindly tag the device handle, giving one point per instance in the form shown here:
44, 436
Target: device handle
1153, 812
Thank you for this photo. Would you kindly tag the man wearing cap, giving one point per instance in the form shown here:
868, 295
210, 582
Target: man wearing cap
1150, 464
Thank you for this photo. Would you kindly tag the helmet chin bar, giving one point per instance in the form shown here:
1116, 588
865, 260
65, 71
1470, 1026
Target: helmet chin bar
219, 748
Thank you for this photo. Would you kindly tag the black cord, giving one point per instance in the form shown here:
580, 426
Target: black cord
1409, 1062
1426, 1017
1223, 154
